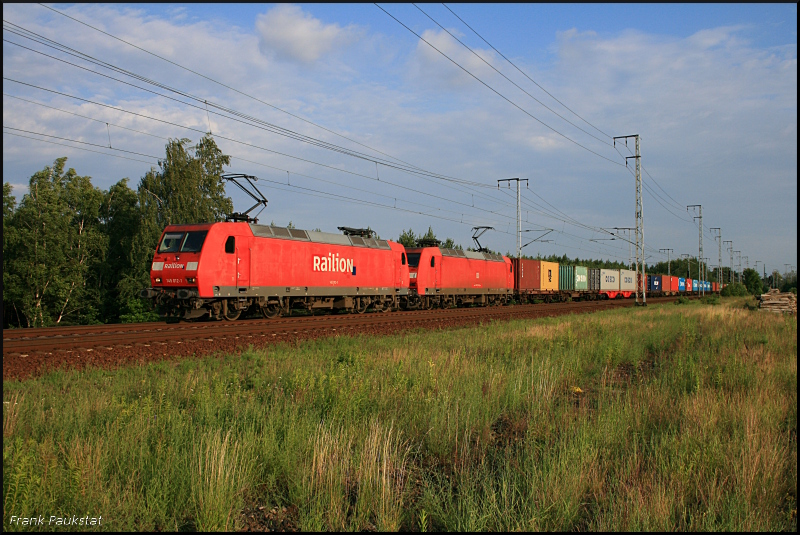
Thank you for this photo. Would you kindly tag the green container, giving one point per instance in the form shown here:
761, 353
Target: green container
566, 277
581, 278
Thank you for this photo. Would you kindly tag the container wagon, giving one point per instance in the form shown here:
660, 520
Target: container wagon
535, 279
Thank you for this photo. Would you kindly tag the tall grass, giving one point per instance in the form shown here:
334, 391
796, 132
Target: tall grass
664, 418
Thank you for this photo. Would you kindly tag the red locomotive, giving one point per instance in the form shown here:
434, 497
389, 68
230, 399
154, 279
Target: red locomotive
452, 277
222, 269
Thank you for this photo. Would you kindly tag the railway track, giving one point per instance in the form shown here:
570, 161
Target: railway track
28, 352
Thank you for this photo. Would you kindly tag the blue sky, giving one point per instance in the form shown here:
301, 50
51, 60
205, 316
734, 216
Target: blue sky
711, 89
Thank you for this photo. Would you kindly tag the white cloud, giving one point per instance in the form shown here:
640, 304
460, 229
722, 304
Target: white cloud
431, 67
290, 33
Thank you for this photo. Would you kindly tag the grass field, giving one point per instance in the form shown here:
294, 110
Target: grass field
665, 418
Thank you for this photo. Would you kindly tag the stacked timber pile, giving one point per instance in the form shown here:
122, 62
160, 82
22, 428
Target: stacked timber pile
775, 301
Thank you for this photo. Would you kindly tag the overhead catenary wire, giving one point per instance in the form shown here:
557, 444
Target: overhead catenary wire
497, 92
248, 119
225, 85
83, 56
523, 72
384, 181
239, 158
509, 79
77, 148
459, 182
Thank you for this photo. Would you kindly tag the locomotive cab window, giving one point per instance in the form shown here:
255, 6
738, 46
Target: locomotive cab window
184, 242
413, 259
171, 243
403, 258
193, 241
230, 245
433, 261
511, 268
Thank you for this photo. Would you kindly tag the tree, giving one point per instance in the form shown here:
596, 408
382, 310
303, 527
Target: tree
122, 222
407, 238
187, 188
9, 241
54, 246
449, 243
752, 281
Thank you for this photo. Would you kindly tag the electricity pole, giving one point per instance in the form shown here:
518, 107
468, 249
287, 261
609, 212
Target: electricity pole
719, 238
730, 250
519, 213
700, 256
688, 258
639, 218
669, 265
739, 264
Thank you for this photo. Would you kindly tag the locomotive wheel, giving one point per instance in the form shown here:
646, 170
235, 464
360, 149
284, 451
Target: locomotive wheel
230, 313
270, 311
362, 305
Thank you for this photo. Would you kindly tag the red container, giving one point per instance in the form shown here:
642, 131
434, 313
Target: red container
673, 284
535, 275
450, 272
689, 286
714, 286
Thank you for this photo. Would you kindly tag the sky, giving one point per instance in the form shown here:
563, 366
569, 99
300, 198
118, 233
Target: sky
349, 116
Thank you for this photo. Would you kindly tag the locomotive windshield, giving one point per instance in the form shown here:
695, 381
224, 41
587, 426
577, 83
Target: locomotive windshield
413, 259
184, 242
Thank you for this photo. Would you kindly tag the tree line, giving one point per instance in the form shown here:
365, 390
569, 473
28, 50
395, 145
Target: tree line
76, 254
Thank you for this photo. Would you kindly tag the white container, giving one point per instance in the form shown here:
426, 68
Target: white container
609, 279
627, 280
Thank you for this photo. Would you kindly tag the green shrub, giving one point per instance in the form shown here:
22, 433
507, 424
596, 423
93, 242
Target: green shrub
136, 311
737, 289
682, 300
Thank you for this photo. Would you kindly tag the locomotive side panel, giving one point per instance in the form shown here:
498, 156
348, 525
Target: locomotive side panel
321, 268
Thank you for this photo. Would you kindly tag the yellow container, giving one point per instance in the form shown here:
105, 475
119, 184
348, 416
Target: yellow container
549, 276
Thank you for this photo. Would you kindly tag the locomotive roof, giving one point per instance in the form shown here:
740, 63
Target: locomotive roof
266, 231
458, 253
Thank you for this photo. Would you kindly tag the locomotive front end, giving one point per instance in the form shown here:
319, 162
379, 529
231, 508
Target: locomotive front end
175, 274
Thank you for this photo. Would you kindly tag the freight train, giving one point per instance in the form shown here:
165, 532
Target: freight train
220, 270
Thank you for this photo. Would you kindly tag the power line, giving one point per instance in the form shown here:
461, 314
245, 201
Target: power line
225, 85
77, 148
83, 142
384, 181
523, 73
242, 118
509, 79
103, 64
497, 92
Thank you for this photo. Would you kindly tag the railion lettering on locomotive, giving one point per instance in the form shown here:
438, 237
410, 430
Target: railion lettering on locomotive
173, 266
333, 262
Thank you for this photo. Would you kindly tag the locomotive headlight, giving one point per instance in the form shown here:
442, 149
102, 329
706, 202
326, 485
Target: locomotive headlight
158, 279
190, 280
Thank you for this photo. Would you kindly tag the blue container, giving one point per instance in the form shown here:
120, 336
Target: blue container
681, 284
694, 285
654, 283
